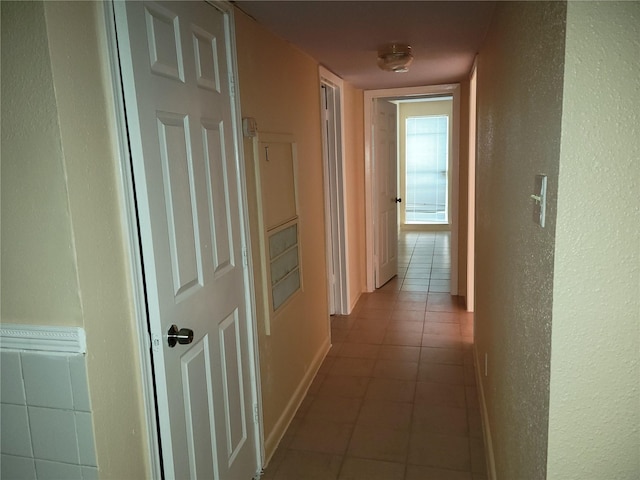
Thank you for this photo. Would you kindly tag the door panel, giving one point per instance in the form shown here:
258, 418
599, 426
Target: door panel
176, 75
385, 171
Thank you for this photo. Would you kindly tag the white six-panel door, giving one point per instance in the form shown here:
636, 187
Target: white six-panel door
176, 66
385, 177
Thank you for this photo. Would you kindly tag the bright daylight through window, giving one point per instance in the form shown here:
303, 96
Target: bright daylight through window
427, 160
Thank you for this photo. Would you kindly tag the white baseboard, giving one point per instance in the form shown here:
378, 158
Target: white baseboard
280, 427
486, 426
42, 338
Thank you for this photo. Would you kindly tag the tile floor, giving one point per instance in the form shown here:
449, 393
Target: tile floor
395, 399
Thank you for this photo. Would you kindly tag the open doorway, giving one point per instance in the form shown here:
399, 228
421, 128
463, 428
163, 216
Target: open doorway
331, 101
371, 191
424, 163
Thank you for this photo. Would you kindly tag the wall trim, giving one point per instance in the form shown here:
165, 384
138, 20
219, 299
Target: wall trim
484, 414
43, 338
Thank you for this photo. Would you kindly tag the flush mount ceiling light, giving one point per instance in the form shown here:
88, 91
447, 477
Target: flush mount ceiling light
395, 57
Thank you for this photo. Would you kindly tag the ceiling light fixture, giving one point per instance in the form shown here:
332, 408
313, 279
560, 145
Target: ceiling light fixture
395, 57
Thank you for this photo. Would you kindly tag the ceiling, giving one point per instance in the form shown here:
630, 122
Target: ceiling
345, 36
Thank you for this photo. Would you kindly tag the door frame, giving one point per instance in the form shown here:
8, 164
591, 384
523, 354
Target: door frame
132, 232
335, 198
471, 196
407, 92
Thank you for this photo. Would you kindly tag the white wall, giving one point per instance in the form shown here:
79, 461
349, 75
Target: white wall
594, 411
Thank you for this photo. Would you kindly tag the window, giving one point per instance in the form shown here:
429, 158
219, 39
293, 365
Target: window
427, 172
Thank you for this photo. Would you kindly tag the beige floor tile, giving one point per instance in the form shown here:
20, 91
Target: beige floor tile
443, 302
402, 316
391, 389
372, 336
441, 341
469, 375
442, 451
475, 422
371, 323
359, 350
440, 394
447, 356
395, 369
416, 281
419, 472
412, 297
343, 386
433, 372
385, 414
408, 287
305, 405
378, 443
316, 383
363, 469
322, 436
413, 327
478, 462
399, 352
398, 383
372, 313
359, 367
440, 419
410, 305
472, 397
334, 409
433, 328
442, 317
308, 465
410, 339
326, 365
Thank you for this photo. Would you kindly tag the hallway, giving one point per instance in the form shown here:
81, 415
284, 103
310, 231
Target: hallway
395, 399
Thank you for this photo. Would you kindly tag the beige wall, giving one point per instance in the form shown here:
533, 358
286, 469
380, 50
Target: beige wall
39, 273
354, 185
63, 259
594, 411
279, 87
520, 73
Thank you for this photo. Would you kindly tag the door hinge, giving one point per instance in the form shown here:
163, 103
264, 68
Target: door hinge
156, 342
232, 87
245, 258
256, 413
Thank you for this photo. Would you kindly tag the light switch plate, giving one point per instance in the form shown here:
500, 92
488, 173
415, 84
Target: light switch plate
540, 200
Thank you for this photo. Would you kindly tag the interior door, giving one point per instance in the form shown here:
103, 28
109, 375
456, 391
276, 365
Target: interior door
385, 159
176, 62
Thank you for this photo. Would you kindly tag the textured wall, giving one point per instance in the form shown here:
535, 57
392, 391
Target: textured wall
280, 88
38, 256
594, 412
520, 71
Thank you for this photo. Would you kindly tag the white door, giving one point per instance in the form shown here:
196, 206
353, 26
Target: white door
385, 160
177, 67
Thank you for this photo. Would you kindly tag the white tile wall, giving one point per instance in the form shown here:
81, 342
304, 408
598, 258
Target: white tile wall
46, 430
47, 380
12, 387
